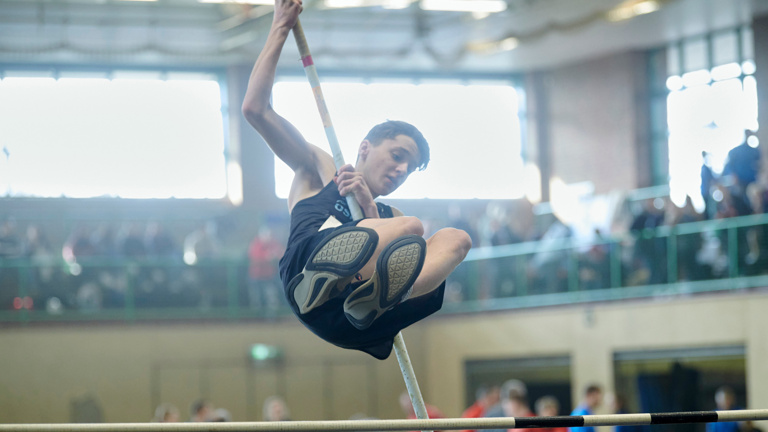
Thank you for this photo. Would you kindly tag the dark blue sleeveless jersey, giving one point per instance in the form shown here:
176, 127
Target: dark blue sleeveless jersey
307, 217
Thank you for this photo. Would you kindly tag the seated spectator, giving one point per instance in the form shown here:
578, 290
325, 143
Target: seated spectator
221, 415
275, 409
200, 411
166, 413
548, 406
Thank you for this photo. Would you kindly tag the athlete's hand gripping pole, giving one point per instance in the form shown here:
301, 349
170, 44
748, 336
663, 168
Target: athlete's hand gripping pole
338, 158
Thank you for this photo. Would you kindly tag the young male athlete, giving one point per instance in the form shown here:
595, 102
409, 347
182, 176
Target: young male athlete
355, 284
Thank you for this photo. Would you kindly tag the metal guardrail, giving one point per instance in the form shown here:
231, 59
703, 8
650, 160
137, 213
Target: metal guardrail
218, 289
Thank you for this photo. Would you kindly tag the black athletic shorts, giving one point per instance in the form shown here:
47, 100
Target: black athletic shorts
329, 322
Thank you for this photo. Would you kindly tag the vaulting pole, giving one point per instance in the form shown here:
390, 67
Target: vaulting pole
338, 158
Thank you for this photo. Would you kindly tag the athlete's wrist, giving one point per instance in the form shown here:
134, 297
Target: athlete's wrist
372, 211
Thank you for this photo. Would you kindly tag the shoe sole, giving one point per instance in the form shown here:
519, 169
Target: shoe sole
339, 256
397, 268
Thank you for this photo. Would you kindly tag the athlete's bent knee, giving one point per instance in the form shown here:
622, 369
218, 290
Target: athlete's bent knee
412, 225
461, 241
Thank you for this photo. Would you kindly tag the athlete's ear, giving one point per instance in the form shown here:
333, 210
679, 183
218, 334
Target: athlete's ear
362, 151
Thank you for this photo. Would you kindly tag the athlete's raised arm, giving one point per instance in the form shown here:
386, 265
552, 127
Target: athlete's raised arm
281, 136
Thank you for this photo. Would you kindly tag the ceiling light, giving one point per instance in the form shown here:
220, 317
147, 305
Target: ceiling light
386, 4
508, 44
490, 6
250, 2
490, 47
632, 8
646, 7
396, 4
338, 4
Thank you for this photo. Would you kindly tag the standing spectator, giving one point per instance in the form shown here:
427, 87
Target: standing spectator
104, 241
459, 279
743, 162
130, 241
485, 398
593, 397
162, 273
549, 266
516, 405
202, 246
158, 243
37, 250
756, 259
725, 399
514, 402
202, 243
708, 181
688, 245
10, 243
10, 247
649, 250
263, 284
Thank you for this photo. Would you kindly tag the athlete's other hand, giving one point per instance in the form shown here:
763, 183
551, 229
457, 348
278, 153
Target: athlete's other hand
351, 182
287, 13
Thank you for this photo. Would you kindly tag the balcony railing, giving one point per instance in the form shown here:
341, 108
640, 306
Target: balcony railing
690, 258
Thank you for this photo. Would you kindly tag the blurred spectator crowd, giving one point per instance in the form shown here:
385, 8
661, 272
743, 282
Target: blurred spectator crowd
108, 265
592, 242
512, 398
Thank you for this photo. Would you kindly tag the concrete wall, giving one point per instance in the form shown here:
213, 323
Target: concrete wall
590, 335
596, 112
130, 369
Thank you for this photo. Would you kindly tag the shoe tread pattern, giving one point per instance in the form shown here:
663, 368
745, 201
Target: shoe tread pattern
400, 268
343, 249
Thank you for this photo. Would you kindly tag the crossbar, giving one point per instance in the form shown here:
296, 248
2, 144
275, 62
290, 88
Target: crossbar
404, 425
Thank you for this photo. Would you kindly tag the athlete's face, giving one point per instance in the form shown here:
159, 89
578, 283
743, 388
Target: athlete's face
386, 166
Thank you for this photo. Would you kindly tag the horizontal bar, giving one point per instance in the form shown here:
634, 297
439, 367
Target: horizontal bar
402, 425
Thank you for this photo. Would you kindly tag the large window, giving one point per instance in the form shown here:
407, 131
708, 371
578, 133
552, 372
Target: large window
473, 131
126, 134
712, 101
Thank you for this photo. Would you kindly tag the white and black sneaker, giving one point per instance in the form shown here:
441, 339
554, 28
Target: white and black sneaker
397, 268
332, 265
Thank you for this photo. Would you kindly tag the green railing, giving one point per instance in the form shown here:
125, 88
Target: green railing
673, 253
491, 278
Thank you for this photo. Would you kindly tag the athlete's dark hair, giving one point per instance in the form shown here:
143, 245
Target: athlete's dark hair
392, 128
